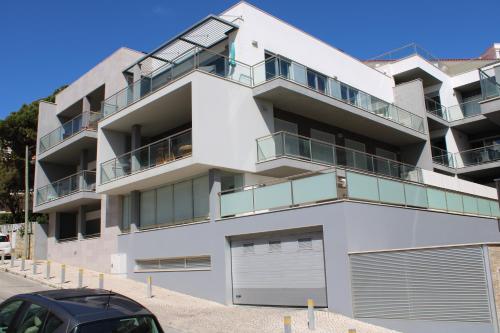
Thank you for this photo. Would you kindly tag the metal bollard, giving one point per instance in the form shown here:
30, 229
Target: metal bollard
33, 267
12, 260
80, 278
311, 320
23, 263
101, 281
287, 323
351, 330
47, 270
3, 258
149, 290
63, 274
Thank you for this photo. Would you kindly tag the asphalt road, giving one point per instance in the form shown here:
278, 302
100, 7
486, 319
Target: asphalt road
11, 285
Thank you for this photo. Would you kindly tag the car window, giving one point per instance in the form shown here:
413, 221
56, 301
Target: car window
33, 319
7, 313
52, 323
4, 239
142, 324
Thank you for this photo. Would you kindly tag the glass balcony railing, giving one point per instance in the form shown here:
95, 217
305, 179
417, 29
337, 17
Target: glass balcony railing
489, 86
464, 110
480, 155
443, 157
436, 109
83, 181
283, 144
290, 70
197, 58
86, 120
158, 153
328, 186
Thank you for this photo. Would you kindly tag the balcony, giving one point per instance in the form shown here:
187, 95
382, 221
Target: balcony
161, 152
71, 137
443, 160
283, 146
195, 59
490, 106
278, 67
67, 193
329, 186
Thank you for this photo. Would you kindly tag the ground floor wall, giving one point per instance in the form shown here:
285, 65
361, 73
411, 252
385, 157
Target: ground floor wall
347, 227
494, 257
95, 252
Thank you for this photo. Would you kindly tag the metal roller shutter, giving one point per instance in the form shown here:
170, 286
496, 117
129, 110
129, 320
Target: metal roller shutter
279, 270
447, 284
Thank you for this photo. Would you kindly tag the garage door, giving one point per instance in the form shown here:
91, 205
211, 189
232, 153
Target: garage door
279, 270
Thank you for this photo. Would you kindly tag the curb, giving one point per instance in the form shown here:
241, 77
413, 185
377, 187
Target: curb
52, 285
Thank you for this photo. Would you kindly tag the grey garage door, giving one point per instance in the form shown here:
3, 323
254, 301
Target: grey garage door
445, 284
279, 270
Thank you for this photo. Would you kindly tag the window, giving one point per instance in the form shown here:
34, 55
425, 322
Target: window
7, 313
316, 81
93, 227
144, 324
177, 203
125, 225
305, 243
33, 319
52, 323
174, 264
67, 226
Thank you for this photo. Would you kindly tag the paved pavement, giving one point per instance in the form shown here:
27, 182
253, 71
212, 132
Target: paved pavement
11, 285
183, 313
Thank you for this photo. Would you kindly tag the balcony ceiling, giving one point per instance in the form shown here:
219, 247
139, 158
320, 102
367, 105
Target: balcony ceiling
417, 73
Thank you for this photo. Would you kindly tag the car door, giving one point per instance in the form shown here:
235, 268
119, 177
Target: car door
8, 314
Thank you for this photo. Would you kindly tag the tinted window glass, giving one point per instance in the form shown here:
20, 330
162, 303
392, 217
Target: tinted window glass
52, 323
4, 239
7, 313
33, 319
125, 325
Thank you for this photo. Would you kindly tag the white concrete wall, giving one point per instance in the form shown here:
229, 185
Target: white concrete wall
108, 72
456, 184
277, 36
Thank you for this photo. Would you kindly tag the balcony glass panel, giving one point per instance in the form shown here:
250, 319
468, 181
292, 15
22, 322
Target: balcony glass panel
362, 187
391, 191
155, 154
495, 210
464, 110
314, 188
470, 204
86, 120
83, 181
272, 196
481, 155
236, 202
483, 206
454, 202
489, 86
437, 199
416, 195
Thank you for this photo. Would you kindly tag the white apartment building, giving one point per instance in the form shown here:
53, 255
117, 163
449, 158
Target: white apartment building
247, 162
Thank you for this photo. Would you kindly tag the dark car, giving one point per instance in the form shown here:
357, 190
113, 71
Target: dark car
75, 311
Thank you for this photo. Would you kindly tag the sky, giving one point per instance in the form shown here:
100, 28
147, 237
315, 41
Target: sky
46, 44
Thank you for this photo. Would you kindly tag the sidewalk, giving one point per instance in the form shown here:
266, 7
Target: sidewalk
182, 313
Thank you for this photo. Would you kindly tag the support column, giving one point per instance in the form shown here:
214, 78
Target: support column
85, 111
134, 144
135, 210
80, 222
214, 183
136, 87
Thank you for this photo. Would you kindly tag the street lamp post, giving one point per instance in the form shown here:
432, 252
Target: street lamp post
26, 202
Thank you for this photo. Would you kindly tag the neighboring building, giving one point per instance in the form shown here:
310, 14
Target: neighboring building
244, 161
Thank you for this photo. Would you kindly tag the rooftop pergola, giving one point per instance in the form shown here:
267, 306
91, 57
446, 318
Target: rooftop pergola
204, 34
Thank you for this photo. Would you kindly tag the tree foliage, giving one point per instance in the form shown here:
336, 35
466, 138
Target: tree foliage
17, 131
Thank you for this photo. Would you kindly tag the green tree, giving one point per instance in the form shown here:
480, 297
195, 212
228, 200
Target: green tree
17, 130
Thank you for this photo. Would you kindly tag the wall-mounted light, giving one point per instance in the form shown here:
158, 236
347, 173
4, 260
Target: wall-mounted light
255, 43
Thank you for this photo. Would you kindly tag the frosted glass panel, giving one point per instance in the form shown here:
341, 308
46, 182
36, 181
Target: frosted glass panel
315, 188
437, 199
148, 209
200, 195
362, 187
495, 210
273, 196
483, 207
236, 203
416, 195
299, 73
165, 204
183, 201
391, 191
454, 202
470, 204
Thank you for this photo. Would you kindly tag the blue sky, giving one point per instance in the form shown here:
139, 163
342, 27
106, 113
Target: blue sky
46, 44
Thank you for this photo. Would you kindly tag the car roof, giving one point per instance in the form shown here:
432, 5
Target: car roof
86, 305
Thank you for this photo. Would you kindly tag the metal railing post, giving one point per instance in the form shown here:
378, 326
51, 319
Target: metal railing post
63, 274
23, 260
311, 320
149, 289
101, 281
33, 267
47, 270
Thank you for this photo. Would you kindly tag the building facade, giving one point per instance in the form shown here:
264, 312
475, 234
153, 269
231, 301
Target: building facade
247, 162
